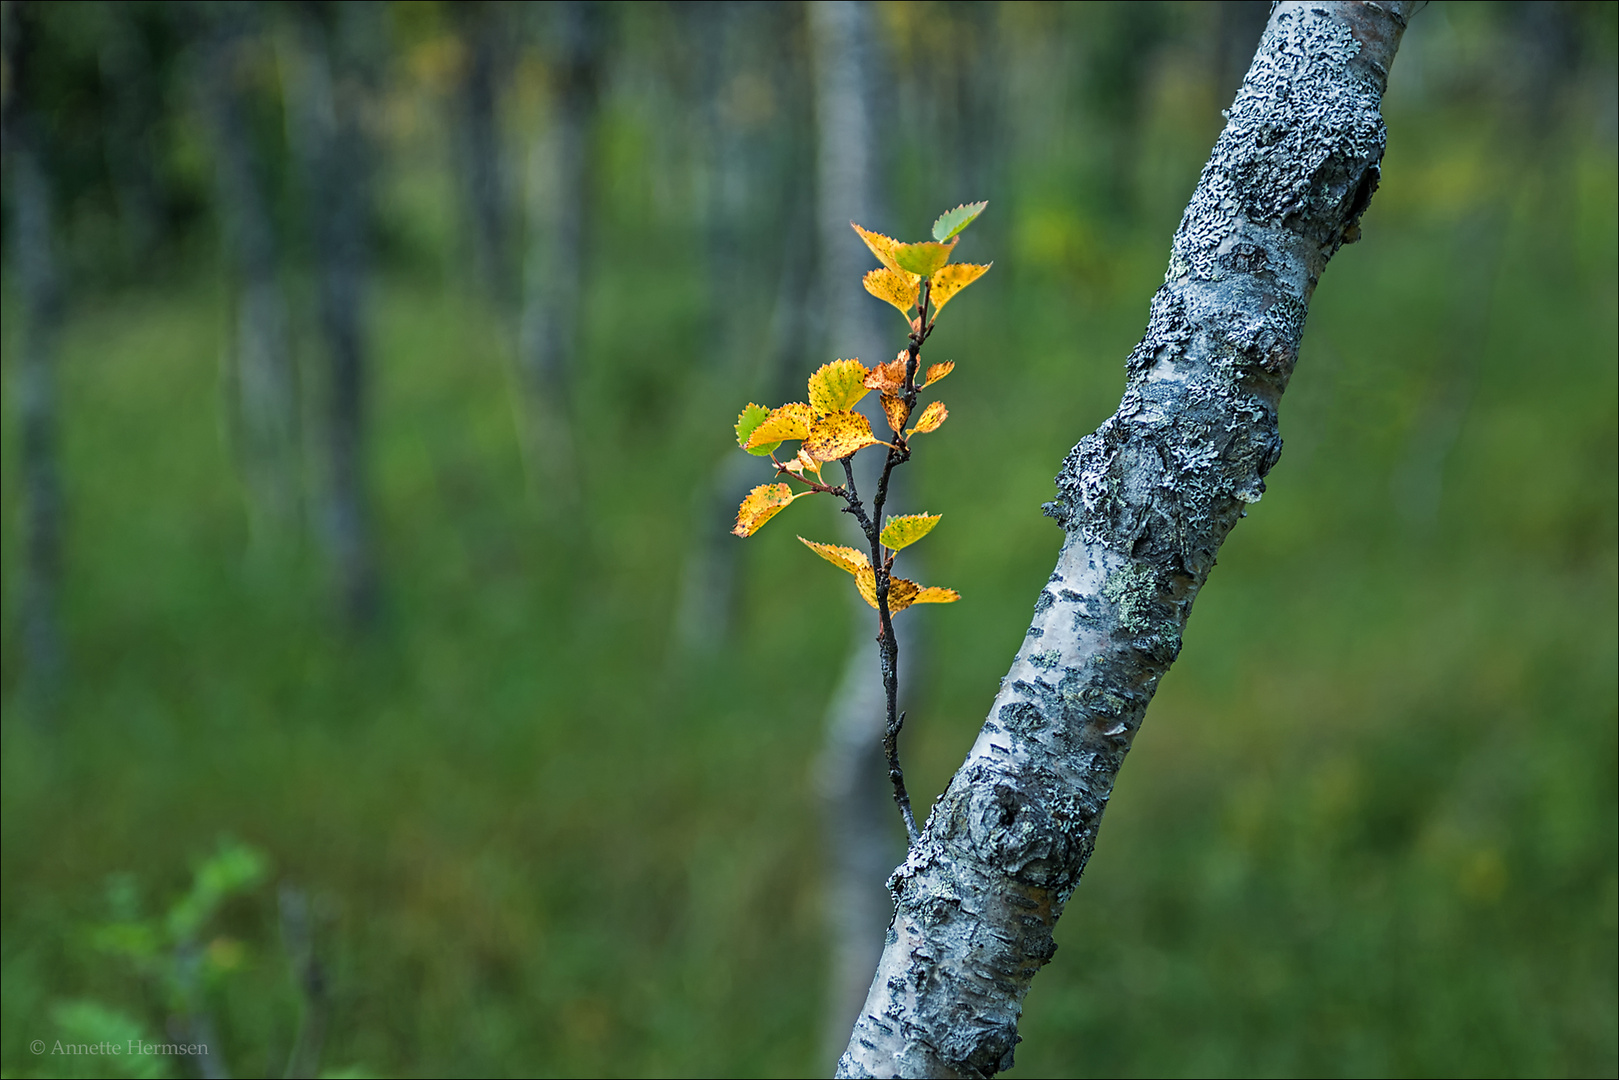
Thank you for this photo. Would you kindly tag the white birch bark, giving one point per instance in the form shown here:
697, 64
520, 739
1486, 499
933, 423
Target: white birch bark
1146, 501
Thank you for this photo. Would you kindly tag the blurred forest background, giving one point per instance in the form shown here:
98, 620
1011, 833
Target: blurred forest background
382, 692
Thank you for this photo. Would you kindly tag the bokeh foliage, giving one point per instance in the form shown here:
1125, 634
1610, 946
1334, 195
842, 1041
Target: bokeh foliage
1368, 827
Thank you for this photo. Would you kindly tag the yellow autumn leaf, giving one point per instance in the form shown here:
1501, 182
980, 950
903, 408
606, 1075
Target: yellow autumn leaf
837, 386
802, 464
951, 280
901, 593
907, 529
931, 418
790, 421
897, 411
865, 579
837, 435
935, 595
844, 558
763, 503
881, 246
889, 377
895, 287
924, 258
938, 371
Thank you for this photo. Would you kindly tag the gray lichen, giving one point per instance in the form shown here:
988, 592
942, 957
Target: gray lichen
1146, 500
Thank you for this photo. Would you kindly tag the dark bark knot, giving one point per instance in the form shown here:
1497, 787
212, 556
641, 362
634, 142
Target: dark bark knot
1032, 828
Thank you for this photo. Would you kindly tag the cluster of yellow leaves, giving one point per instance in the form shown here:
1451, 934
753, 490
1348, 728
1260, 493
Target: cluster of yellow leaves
828, 428
901, 593
899, 280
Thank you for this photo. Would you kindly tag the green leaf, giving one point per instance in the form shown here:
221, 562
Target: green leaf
951, 222
746, 421
907, 529
924, 258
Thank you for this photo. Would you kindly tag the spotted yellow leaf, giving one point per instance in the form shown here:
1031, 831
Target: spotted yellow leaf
837, 435
901, 593
907, 529
924, 258
931, 418
894, 286
897, 411
935, 595
763, 503
844, 558
938, 371
889, 377
746, 421
881, 246
837, 386
951, 280
790, 421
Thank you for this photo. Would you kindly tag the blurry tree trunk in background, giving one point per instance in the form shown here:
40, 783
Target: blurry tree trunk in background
135, 108
862, 835
724, 175
326, 84
1146, 502
1238, 24
1546, 49
262, 374
33, 255
485, 30
757, 221
1114, 81
553, 272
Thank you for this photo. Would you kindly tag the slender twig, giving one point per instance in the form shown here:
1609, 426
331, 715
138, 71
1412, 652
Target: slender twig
882, 562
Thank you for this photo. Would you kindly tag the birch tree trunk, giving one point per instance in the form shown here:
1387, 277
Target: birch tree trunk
33, 253
484, 30
134, 109
1146, 501
325, 88
553, 272
261, 365
757, 220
